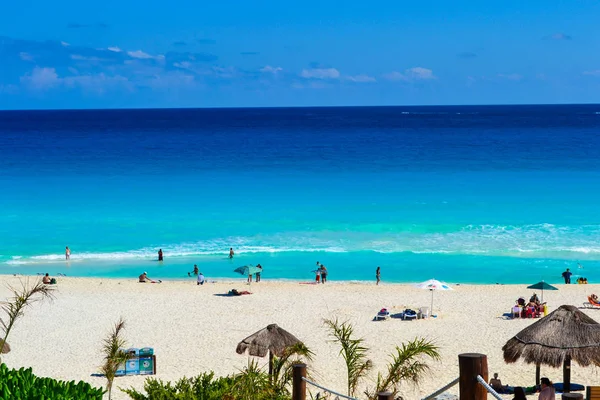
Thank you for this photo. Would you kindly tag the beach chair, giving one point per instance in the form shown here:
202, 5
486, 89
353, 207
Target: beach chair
592, 393
591, 303
424, 312
382, 315
409, 315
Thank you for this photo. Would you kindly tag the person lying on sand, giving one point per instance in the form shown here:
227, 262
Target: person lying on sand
235, 292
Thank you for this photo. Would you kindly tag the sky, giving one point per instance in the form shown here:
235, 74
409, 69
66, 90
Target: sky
137, 54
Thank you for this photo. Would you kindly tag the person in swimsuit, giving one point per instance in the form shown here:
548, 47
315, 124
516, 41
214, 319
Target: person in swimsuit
378, 274
160, 255
231, 253
67, 253
323, 274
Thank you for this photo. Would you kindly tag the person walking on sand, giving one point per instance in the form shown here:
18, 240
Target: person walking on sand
378, 275
231, 253
567, 276
67, 253
160, 255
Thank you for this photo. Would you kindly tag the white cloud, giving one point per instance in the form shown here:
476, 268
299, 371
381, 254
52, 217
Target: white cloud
139, 54
592, 73
511, 77
65, 44
25, 56
115, 49
41, 78
270, 69
361, 78
411, 74
320, 73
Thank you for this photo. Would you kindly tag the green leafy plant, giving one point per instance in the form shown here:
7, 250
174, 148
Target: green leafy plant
283, 366
409, 363
114, 356
23, 384
14, 308
202, 387
352, 350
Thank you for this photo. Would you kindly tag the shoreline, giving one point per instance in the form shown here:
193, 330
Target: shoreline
220, 280
194, 329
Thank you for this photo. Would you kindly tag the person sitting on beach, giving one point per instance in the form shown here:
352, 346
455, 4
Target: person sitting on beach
201, 279
496, 383
519, 394
144, 278
47, 280
547, 392
534, 299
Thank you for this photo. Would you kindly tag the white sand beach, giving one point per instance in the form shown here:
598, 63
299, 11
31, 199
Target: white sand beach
193, 329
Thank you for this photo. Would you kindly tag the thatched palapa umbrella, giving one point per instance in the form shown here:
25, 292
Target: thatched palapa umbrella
272, 339
563, 335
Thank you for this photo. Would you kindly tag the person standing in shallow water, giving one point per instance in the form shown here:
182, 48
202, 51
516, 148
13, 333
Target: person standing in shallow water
231, 253
567, 276
378, 274
160, 255
67, 253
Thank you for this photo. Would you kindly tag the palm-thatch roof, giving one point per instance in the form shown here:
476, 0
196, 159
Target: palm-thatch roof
564, 334
271, 339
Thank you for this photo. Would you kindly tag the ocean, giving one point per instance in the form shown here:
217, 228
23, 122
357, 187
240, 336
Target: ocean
464, 194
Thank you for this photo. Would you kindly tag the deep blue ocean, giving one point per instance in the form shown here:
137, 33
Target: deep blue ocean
466, 194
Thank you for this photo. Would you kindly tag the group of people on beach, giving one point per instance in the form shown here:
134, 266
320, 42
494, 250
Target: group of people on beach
321, 273
545, 389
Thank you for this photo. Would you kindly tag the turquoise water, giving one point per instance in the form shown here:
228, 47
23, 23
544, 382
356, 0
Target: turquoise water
464, 194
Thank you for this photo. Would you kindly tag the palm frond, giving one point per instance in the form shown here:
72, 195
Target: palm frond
114, 356
22, 297
352, 351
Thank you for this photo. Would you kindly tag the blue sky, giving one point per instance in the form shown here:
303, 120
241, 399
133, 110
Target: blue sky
74, 54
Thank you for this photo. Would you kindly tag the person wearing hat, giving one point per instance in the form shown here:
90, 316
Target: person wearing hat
144, 278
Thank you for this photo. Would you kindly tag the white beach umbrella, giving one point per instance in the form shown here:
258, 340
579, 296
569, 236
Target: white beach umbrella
432, 285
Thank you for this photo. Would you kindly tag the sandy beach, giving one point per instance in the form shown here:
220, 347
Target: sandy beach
193, 329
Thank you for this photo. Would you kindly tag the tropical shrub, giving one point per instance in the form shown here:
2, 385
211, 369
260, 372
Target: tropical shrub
409, 361
250, 384
22, 384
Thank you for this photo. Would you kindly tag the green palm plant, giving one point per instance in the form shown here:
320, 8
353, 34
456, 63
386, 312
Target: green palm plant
14, 308
114, 356
252, 383
282, 366
409, 363
353, 351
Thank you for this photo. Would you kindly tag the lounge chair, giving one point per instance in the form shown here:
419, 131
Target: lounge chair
591, 303
409, 314
382, 315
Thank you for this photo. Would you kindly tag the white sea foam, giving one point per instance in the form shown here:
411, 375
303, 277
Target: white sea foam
537, 240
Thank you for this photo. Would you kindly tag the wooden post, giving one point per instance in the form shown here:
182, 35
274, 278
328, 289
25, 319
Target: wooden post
537, 374
567, 374
470, 365
384, 396
298, 384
